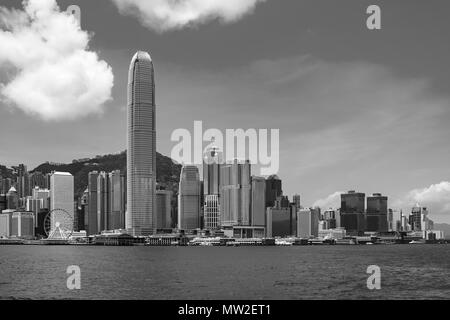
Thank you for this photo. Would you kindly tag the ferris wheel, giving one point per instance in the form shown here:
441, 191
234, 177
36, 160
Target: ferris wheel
58, 224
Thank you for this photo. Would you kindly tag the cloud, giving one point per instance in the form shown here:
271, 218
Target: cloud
332, 201
163, 15
436, 197
56, 76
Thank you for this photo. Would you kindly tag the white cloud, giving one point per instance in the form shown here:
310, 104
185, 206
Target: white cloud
436, 197
162, 15
56, 77
332, 201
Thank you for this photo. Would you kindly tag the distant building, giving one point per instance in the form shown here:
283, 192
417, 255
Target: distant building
22, 225
211, 212
296, 201
12, 199
418, 219
330, 219
23, 181
273, 190
281, 221
189, 198
258, 202
307, 223
6, 223
377, 213
164, 209
103, 201
93, 226
212, 161
235, 193
117, 199
352, 212
62, 197
3, 202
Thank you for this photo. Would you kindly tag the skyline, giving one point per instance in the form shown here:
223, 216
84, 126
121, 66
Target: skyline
380, 127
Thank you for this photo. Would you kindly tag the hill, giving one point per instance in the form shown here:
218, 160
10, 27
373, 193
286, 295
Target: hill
167, 171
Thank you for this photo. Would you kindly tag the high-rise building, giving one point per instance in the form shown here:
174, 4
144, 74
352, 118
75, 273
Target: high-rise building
43, 195
141, 146
330, 219
92, 203
3, 202
273, 190
38, 179
23, 180
62, 197
377, 213
116, 214
296, 200
352, 212
12, 199
164, 209
211, 212
212, 160
189, 198
418, 219
103, 201
307, 223
22, 225
280, 221
258, 211
235, 193
6, 223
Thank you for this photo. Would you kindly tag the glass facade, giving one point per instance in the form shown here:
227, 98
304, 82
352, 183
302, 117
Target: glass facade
141, 146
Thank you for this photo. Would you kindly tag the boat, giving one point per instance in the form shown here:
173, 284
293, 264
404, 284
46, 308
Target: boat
415, 242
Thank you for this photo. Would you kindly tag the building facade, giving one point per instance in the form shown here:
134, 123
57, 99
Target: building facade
189, 195
141, 147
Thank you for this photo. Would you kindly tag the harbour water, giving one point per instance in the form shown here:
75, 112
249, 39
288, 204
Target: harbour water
294, 272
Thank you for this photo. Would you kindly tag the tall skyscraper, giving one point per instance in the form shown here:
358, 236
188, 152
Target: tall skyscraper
307, 223
23, 180
258, 212
92, 203
103, 201
141, 146
189, 198
296, 200
212, 161
12, 199
116, 213
352, 212
235, 193
273, 190
62, 197
377, 213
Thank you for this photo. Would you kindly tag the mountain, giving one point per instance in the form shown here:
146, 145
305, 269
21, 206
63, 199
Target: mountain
167, 171
443, 227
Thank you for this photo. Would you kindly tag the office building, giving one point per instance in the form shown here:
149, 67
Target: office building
6, 223
12, 199
93, 226
189, 194
211, 212
164, 209
62, 198
141, 147
3, 202
22, 225
103, 201
212, 161
258, 202
330, 219
23, 181
281, 221
38, 179
307, 223
418, 219
235, 193
296, 201
117, 198
377, 213
273, 190
352, 212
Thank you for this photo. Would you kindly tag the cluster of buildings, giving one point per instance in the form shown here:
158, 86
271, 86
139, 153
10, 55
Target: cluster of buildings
228, 202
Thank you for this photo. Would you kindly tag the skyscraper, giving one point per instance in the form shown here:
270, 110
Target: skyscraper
258, 212
164, 209
212, 161
235, 193
62, 197
141, 146
377, 213
116, 213
352, 212
189, 198
92, 203
273, 190
103, 203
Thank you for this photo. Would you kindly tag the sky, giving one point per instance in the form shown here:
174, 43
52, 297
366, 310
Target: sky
357, 109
